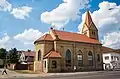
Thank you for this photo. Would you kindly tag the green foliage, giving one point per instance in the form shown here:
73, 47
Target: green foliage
3, 53
10, 56
13, 56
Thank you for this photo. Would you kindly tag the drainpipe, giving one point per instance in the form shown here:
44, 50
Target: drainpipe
74, 56
94, 56
42, 62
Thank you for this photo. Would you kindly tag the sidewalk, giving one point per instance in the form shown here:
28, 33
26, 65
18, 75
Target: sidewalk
12, 74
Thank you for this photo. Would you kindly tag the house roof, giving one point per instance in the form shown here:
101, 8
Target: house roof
69, 36
30, 59
53, 54
45, 37
76, 37
107, 49
31, 53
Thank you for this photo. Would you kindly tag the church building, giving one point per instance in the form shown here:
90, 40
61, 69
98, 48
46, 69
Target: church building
61, 51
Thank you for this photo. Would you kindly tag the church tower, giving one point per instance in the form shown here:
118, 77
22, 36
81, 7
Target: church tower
89, 27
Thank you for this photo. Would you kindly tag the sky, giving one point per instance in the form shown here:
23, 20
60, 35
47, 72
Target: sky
24, 21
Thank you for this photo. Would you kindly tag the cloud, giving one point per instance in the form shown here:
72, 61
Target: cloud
68, 10
5, 5
112, 40
21, 41
21, 12
4, 40
28, 36
106, 20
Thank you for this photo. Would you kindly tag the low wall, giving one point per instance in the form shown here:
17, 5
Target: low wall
20, 66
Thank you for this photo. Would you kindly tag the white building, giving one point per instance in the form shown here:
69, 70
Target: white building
111, 60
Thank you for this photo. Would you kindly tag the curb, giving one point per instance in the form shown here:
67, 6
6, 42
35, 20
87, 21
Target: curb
47, 74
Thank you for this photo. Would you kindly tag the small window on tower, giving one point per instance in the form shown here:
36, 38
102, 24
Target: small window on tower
85, 33
92, 32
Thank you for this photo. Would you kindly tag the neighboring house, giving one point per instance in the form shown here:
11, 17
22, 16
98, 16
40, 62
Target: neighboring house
27, 57
61, 51
111, 59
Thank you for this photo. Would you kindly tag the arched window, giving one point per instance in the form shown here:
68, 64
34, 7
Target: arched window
90, 58
39, 55
80, 58
98, 57
68, 58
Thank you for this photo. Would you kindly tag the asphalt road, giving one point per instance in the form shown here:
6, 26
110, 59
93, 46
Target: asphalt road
101, 75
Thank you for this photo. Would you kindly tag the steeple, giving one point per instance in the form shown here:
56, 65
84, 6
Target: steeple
89, 28
88, 19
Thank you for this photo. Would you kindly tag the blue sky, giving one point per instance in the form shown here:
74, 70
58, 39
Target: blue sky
23, 21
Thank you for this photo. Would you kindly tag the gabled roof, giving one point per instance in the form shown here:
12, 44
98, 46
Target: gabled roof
31, 53
69, 36
107, 49
75, 37
30, 59
53, 54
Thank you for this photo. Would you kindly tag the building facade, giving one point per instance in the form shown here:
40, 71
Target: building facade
61, 51
111, 60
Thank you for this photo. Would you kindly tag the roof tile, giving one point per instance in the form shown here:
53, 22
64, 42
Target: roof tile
53, 54
45, 37
69, 36
88, 19
31, 53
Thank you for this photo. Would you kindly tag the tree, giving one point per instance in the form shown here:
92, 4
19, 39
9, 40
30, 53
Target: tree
3, 53
13, 55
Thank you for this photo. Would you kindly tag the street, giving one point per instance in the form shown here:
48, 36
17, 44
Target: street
100, 75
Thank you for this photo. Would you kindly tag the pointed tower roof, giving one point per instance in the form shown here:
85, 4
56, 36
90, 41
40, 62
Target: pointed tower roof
88, 19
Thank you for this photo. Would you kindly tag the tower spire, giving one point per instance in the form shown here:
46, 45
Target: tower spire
89, 29
88, 19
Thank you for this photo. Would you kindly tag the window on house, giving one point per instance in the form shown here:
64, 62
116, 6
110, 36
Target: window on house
68, 58
116, 58
90, 58
54, 64
112, 57
106, 57
80, 58
39, 55
98, 57
45, 64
